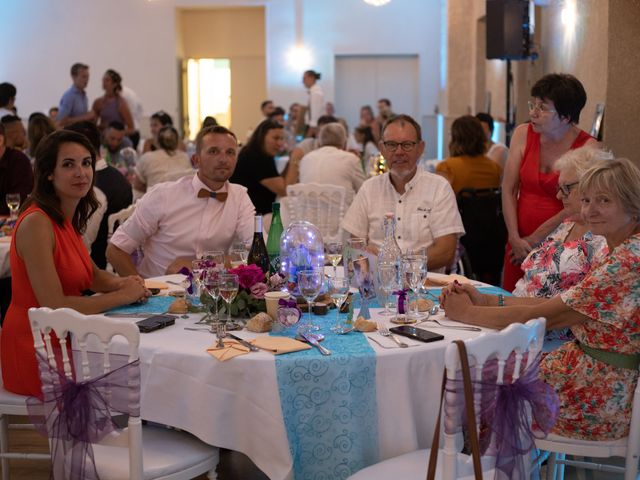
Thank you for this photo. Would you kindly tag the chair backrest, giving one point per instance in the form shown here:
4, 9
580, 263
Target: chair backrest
92, 335
486, 233
511, 352
119, 218
323, 205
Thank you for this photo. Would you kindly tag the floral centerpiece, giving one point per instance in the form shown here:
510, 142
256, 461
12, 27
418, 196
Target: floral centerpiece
252, 285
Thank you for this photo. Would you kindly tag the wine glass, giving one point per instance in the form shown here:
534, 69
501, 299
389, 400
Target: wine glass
197, 269
310, 284
215, 256
212, 289
228, 285
338, 291
355, 250
333, 253
389, 277
13, 202
414, 267
239, 251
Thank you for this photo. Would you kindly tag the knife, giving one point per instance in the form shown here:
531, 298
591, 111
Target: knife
242, 341
133, 315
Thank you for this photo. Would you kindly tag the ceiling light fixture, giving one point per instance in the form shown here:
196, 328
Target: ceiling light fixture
377, 3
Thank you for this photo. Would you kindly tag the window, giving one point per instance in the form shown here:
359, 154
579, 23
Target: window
208, 92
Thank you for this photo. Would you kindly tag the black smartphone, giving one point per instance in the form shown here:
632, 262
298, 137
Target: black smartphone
155, 322
417, 333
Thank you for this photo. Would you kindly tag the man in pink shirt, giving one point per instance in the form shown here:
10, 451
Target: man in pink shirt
177, 221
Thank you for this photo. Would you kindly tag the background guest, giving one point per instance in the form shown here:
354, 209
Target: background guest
16, 174
8, 94
316, 100
74, 105
468, 166
39, 127
363, 135
496, 151
531, 209
15, 134
156, 122
112, 107
256, 168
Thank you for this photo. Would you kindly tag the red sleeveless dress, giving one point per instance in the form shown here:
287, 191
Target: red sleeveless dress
75, 270
537, 200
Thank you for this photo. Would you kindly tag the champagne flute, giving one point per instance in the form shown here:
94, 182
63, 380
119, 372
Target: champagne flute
310, 284
197, 269
228, 285
339, 290
333, 253
13, 202
212, 289
389, 277
414, 268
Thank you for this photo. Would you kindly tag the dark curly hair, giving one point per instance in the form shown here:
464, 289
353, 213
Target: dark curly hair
44, 195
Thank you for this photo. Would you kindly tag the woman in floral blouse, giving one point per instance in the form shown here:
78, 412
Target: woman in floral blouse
596, 374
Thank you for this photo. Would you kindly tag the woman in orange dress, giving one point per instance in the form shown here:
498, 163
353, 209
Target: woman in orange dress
531, 209
50, 265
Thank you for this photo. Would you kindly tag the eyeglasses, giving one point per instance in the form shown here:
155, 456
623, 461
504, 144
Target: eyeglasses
406, 146
540, 107
566, 188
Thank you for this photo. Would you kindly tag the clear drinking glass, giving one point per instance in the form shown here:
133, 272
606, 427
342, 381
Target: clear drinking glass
333, 253
212, 289
389, 278
197, 270
228, 285
414, 267
215, 256
355, 249
13, 202
239, 252
310, 284
338, 290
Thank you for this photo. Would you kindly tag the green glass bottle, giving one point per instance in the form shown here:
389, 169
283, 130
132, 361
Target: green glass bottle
273, 240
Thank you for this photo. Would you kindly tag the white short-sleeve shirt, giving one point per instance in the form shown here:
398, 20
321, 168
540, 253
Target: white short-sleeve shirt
427, 210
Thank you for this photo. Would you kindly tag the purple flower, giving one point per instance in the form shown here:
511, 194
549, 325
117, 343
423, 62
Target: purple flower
258, 290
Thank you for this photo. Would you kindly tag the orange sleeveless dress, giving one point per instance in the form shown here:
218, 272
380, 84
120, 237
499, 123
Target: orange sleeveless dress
75, 270
537, 200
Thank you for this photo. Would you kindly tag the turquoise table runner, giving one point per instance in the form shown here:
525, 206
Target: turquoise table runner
156, 304
329, 405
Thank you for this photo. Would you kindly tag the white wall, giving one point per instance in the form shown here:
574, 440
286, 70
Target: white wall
42, 38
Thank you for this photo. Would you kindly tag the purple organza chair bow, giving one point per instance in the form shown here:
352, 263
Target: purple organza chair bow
76, 414
504, 412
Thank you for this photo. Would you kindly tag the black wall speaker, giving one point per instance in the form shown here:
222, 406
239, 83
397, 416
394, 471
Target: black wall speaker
509, 29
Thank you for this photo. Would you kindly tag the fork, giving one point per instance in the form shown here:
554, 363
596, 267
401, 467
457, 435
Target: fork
385, 346
452, 327
384, 331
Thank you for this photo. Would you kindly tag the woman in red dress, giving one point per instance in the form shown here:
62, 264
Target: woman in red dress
529, 186
50, 265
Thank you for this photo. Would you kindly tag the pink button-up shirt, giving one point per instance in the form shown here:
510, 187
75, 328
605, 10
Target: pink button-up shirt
170, 221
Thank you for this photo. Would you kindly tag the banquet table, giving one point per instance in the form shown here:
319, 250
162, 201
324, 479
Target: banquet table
236, 404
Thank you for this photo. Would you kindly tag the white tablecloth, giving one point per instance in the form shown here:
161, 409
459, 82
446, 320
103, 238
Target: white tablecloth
235, 404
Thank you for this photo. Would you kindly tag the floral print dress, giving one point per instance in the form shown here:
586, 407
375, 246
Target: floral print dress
595, 397
557, 265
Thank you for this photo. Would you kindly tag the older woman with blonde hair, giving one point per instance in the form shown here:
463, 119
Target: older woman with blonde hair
594, 375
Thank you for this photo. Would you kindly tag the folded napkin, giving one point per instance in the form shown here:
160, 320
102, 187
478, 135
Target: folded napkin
231, 349
280, 344
444, 280
155, 284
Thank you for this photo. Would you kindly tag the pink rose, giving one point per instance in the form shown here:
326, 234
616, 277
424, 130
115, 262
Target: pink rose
248, 275
258, 290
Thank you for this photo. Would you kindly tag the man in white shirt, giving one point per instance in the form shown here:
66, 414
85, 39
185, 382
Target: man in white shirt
177, 221
331, 163
423, 203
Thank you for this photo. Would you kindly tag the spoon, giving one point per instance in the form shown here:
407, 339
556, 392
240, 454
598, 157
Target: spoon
343, 330
314, 339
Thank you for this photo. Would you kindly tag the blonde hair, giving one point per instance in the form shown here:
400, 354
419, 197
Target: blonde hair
618, 177
582, 159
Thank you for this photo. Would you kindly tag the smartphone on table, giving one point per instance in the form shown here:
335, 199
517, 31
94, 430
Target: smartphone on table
416, 333
155, 322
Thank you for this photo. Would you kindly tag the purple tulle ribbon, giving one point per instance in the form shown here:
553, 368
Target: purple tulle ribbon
189, 275
402, 298
74, 415
504, 423
288, 303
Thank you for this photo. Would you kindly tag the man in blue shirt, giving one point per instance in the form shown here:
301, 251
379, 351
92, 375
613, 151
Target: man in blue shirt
74, 105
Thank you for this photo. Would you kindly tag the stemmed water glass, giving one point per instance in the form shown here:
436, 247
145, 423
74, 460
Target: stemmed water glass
228, 285
389, 277
239, 253
338, 291
310, 284
197, 270
356, 247
215, 256
333, 253
414, 267
212, 289
13, 202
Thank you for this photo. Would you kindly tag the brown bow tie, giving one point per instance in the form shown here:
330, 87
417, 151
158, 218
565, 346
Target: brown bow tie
204, 193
